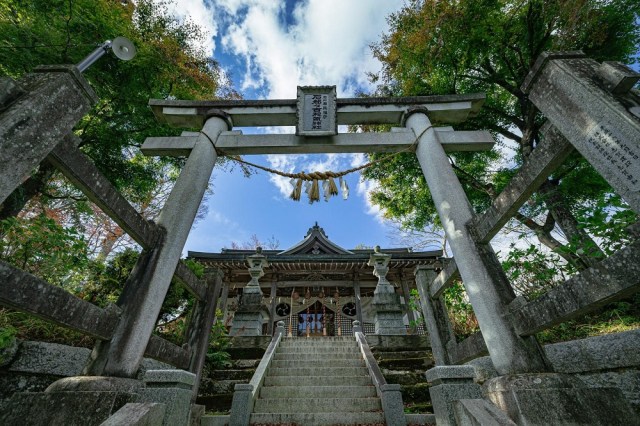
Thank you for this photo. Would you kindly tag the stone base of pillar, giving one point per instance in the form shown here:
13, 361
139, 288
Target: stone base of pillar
551, 398
388, 314
172, 388
246, 324
63, 408
249, 317
450, 383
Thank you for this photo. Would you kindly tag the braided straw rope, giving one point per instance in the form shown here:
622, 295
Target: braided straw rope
315, 176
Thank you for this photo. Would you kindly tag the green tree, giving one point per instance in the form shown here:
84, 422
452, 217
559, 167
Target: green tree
447, 46
170, 63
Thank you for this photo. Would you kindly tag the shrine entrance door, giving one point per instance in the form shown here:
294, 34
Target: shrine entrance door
316, 321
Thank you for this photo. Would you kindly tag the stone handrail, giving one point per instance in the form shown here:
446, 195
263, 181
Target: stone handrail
389, 394
244, 395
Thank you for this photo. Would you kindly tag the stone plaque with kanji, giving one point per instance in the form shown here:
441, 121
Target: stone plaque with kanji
316, 111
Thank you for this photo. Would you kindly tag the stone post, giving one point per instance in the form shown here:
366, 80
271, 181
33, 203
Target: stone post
407, 297
584, 100
436, 317
358, 301
248, 318
199, 331
173, 388
224, 298
272, 308
34, 117
487, 286
449, 384
149, 281
386, 303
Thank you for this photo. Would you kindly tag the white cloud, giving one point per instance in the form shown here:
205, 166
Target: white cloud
324, 42
287, 164
364, 189
327, 42
203, 16
215, 223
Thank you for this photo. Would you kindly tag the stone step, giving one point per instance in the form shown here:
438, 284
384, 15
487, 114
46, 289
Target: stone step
317, 391
309, 346
319, 350
232, 374
317, 363
320, 339
318, 342
316, 356
358, 380
318, 419
316, 405
320, 371
212, 420
421, 419
381, 356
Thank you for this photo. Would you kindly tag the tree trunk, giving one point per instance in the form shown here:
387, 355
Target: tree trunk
26, 191
587, 249
543, 233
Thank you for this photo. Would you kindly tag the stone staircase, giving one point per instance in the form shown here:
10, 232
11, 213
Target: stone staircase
318, 381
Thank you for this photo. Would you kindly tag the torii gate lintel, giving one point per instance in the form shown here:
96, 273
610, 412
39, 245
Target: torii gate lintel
359, 111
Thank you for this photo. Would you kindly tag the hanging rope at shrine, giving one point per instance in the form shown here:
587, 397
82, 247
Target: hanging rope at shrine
312, 180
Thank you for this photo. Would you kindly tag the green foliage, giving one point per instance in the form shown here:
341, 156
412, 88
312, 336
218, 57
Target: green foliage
28, 327
7, 341
532, 271
105, 281
613, 318
217, 356
607, 218
170, 63
463, 320
449, 46
44, 248
196, 267
413, 301
7, 336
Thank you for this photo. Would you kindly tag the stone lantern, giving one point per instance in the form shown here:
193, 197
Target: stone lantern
249, 317
386, 303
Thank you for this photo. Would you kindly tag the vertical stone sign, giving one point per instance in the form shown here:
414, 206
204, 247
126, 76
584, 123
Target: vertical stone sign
586, 102
316, 110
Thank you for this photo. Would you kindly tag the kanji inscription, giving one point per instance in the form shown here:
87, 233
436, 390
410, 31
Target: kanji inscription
317, 111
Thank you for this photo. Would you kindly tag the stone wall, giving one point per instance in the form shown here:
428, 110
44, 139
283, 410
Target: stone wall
35, 365
611, 360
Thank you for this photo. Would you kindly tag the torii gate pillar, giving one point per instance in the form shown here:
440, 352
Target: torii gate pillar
488, 288
147, 286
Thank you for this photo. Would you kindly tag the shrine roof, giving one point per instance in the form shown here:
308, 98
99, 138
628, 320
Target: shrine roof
316, 248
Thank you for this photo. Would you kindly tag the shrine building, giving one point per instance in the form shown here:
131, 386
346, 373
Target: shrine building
317, 287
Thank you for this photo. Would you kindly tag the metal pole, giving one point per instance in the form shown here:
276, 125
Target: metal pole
94, 56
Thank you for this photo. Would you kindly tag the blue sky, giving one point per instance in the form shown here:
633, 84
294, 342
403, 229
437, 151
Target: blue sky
268, 48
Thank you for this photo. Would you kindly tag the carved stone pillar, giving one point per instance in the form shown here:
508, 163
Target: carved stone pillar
272, 308
407, 297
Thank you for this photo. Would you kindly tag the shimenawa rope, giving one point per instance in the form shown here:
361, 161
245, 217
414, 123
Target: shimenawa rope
329, 185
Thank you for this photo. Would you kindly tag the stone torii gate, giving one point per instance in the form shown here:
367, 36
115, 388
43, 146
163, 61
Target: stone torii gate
487, 286
594, 106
